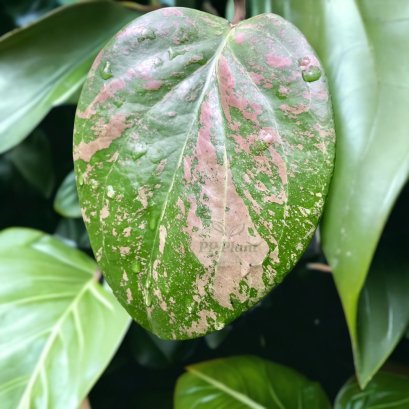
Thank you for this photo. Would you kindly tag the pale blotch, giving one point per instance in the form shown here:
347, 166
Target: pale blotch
124, 251
228, 252
104, 213
127, 231
129, 297
105, 135
144, 194
200, 326
277, 61
162, 238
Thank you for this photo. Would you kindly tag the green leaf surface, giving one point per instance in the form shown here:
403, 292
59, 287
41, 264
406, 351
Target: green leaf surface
246, 382
385, 391
43, 64
363, 46
383, 313
66, 200
59, 327
33, 160
203, 154
73, 232
152, 352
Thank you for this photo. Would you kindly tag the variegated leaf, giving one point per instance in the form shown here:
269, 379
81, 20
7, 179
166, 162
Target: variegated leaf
203, 153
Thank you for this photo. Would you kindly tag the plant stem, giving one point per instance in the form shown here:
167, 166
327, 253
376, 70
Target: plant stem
239, 11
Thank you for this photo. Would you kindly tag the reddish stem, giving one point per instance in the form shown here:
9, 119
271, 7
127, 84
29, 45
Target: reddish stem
239, 11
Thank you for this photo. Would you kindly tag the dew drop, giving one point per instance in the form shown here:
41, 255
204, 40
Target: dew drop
139, 153
136, 267
311, 74
148, 298
81, 180
147, 34
106, 72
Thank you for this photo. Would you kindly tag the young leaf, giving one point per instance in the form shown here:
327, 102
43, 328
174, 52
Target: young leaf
43, 64
203, 153
246, 382
363, 45
33, 159
59, 327
66, 200
385, 391
383, 313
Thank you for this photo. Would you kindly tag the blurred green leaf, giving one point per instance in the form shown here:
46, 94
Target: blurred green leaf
24, 12
383, 313
246, 382
43, 64
59, 327
215, 339
363, 45
66, 200
33, 160
73, 232
153, 352
385, 391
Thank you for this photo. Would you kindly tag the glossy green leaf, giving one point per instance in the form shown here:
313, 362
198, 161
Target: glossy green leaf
383, 313
43, 64
33, 160
385, 391
66, 200
59, 327
203, 159
73, 232
246, 382
152, 352
363, 45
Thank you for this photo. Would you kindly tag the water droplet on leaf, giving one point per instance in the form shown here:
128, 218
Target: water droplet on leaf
311, 74
106, 72
146, 34
136, 267
81, 179
148, 298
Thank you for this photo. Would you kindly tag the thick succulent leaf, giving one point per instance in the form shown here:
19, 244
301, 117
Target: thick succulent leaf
385, 391
363, 45
246, 382
203, 154
66, 200
59, 327
43, 64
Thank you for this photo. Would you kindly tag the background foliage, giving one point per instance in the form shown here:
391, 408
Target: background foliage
300, 324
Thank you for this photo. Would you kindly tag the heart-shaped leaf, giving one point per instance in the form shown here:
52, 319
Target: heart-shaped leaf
246, 382
203, 153
66, 200
59, 327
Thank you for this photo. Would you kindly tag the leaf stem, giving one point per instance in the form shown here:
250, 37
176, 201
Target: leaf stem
239, 11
